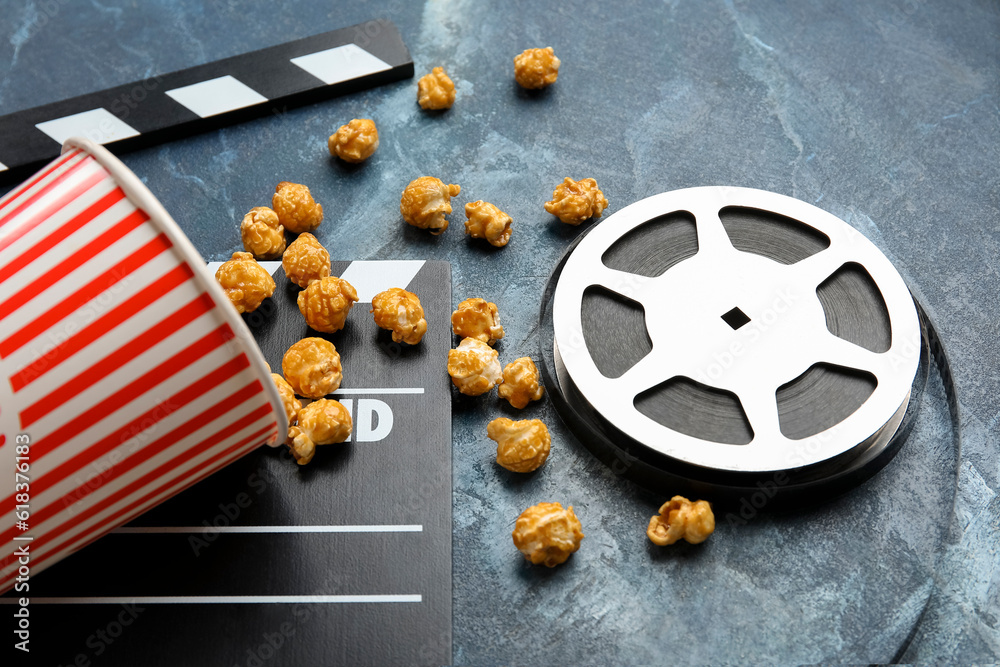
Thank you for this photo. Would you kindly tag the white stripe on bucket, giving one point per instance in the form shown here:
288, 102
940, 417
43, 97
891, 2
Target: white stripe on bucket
46, 201
84, 313
55, 255
13, 198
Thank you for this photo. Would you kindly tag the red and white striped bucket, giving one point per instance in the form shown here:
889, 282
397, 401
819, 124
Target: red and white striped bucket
125, 376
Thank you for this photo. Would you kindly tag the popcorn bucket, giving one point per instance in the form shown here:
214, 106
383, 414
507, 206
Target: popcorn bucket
125, 375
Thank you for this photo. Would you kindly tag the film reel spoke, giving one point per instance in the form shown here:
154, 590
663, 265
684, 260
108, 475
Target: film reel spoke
839, 352
652, 370
761, 411
712, 236
813, 270
628, 285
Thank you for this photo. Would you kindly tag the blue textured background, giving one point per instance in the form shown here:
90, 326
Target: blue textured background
884, 113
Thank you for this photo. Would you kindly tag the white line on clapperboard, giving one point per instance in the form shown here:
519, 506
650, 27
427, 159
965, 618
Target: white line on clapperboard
391, 390
225, 599
384, 528
246, 599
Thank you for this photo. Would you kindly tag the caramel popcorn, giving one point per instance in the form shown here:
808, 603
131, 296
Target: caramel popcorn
354, 142
546, 533
326, 302
678, 518
426, 201
291, 404
299, 444
295, 207
305, 260
576, 201
522, 446
536, 68
322, 422
245, 282
435, 90
477, 318
262, 234
400, 312
520, 382
486, 221
474, 367
312, 367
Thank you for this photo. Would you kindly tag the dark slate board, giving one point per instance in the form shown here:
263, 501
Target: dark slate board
402, 479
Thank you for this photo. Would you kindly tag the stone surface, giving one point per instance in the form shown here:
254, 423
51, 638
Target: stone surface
884, 113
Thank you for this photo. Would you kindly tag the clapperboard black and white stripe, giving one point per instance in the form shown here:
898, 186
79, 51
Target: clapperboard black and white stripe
346, 561
208, 96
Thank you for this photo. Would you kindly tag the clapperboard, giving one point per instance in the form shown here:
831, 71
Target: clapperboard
345, 561
207, 96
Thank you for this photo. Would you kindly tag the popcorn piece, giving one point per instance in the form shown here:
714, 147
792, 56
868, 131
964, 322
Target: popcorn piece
354, 142
426, 201
486, 221
326, 302
306, 260
322, 422
576, 201
245, 282
536, 68
435, 90
302, 448
474, 367
292, 405
678, 518
520, 382
477, 318
312, 367
522, 446
295, 207
546, 533
262, 234
400, 312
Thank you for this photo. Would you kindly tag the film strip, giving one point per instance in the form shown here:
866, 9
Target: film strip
208, 96
715, 339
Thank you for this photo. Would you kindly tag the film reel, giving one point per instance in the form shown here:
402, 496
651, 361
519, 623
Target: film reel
721, 338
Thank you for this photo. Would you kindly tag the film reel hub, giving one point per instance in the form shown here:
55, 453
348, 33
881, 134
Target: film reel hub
728, 334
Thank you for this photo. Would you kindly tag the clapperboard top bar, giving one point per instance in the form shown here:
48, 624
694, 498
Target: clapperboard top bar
208, 96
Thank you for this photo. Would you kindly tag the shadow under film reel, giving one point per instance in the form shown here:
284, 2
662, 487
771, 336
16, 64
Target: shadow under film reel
713, 339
